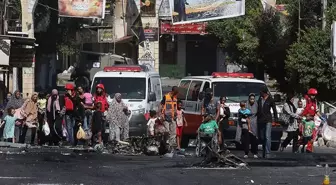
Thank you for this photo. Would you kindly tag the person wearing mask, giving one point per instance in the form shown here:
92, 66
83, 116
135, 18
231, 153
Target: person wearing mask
41, 105
118, 118
101, 96
223, 112
168, 114
30, 112
311, 110
265, 104
289, 110
253, 132
54, 119
70, 112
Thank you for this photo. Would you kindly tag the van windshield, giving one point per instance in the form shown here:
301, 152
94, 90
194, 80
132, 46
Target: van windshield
129, 88
237, 91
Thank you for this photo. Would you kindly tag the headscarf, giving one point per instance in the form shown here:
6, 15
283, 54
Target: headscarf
15, 102
55, 104
288, 101
116, 112
30, 111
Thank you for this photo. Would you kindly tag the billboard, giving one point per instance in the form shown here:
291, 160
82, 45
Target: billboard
147, 8
190, 11
82, 8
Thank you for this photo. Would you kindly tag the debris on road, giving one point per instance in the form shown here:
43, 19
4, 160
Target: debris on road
222, 159
139, 145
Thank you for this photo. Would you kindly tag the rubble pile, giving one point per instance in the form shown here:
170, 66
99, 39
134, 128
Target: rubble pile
222, 159
138, 146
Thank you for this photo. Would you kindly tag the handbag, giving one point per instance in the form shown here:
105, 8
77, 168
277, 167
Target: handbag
285, 117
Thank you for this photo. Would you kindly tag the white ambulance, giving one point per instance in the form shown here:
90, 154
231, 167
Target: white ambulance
235, 86
140, 88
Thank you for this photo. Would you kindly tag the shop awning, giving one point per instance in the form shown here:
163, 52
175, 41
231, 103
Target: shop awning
19, 40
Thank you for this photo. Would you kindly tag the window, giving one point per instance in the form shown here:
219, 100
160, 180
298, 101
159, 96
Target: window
194, 90
149, 86
129, 88
237, 91
206, 85
183, 89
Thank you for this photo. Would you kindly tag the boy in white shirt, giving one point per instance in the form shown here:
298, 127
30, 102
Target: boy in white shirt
151, 123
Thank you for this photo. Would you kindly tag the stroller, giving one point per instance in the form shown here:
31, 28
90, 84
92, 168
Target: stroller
206, 143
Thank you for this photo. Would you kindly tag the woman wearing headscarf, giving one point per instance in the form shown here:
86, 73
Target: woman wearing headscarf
54, 118
253, 107
29, 111
118, 118
289, 109
16, 101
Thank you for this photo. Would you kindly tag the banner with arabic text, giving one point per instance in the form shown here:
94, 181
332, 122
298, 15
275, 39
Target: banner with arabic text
82, 8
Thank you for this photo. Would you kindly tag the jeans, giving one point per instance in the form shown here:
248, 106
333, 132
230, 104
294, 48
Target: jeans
87, 121
265, 131
70, 124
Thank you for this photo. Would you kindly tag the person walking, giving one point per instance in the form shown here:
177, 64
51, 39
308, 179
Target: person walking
223, 120
42, 106
16, 101
168, 114
118, 118
54, 119
30, 112
289, 111
264, 118
253, 132
70, 112
100, 96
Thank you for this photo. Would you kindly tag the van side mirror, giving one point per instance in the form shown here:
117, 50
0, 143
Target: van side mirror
201, 95
151, 97
277, 98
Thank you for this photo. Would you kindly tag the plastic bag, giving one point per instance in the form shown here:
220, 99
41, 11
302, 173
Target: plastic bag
80, 133
64, 132
46, 129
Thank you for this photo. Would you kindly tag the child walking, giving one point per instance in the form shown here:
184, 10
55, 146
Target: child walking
97, 123
151, 122
180, 123
308, 127
9, 122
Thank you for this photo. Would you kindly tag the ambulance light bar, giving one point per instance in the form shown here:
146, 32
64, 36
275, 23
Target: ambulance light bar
122, 69
232, 75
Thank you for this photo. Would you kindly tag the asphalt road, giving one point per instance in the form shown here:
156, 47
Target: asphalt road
62, 166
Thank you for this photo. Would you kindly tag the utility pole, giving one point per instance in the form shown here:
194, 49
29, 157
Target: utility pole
324, 9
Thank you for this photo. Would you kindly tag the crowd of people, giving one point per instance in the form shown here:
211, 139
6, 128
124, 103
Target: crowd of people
56, 119
76, 110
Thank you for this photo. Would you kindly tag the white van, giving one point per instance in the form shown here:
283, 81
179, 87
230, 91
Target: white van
234, 86
140, 89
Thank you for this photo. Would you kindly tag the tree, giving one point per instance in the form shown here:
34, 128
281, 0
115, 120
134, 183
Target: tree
254, 40
309, 64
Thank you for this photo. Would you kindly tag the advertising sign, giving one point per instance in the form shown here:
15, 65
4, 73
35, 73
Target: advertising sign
4, 52
82, 8
164, 10
105, 35
151, 34
190, 11
190, 28
147, 8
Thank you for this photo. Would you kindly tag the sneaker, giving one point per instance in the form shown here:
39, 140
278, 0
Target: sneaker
255, 156
245, 156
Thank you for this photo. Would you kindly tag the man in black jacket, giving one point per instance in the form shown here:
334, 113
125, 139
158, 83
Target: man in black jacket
265, 103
